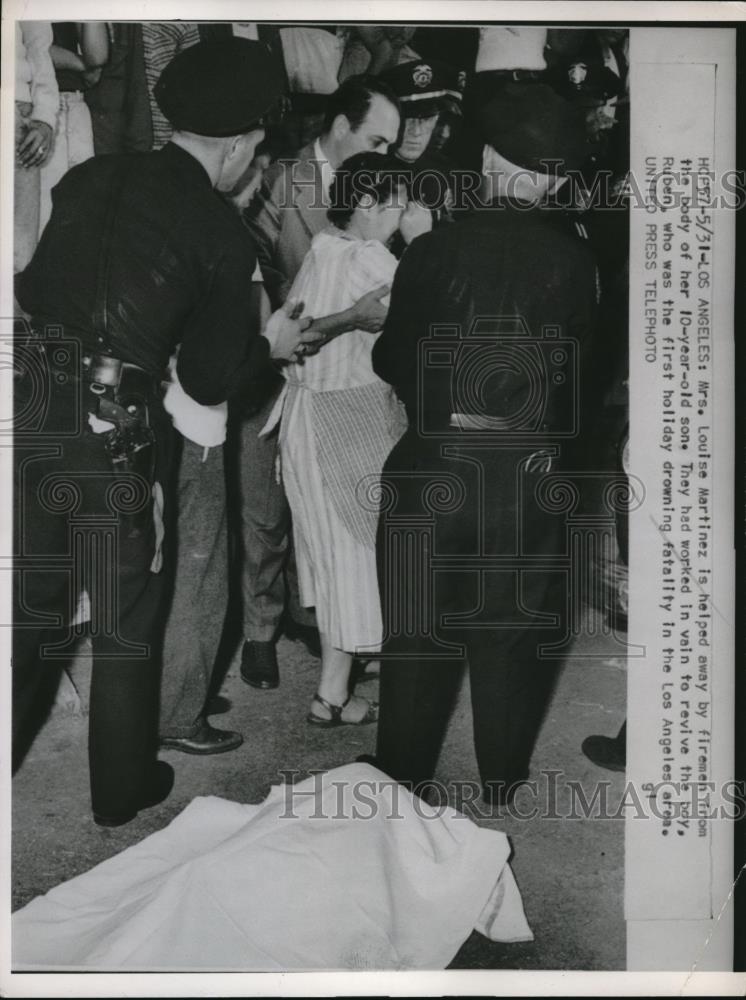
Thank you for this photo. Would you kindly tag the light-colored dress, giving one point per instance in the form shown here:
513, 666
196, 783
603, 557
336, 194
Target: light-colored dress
339, 422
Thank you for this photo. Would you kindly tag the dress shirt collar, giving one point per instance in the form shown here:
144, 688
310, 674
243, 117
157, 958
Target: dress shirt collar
327, 171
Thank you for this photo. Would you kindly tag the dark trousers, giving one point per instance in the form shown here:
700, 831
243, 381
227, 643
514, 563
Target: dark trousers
268, 560
79, 524
449, 510
200, 592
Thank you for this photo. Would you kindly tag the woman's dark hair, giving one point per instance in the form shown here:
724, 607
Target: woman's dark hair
376, 174
352, 99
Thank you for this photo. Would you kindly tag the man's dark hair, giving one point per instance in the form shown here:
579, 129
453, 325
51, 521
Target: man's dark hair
376, 174
352, 99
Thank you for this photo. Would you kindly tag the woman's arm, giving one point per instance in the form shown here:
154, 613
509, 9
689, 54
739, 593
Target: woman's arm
63, 58
94, 43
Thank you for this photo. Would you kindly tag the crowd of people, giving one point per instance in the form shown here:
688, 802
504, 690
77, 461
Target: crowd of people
234, 244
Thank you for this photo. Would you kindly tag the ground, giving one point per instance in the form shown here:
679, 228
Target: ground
570, 870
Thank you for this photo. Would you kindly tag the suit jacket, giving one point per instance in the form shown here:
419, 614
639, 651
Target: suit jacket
286, 214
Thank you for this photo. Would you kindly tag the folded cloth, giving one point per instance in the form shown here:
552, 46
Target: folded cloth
346, 870
204, 425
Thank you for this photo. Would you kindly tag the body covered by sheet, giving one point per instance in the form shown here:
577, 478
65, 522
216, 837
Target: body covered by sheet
345, 870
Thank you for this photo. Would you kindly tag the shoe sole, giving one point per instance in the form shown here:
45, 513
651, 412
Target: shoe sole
111, 821
316, 720
261, 685
204, 751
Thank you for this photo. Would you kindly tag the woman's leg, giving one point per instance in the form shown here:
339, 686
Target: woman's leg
334, 684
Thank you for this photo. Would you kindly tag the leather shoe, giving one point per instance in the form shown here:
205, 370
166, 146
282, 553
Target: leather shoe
259, 665
206, 740
306, 634
609, 752
158, 789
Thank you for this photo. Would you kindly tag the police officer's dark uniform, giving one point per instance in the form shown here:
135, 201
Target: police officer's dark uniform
469, 493
140, 254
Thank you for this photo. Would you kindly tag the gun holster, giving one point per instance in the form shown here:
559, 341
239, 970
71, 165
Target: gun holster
118, 393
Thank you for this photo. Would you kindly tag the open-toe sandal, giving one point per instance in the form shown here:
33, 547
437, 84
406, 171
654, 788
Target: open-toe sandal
335, 714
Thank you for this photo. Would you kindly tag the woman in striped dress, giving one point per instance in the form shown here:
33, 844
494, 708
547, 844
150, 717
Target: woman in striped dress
339, 422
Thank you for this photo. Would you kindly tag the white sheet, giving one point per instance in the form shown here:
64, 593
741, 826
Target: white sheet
342, 871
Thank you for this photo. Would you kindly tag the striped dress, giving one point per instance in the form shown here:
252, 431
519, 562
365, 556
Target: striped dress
161, 42
339, 422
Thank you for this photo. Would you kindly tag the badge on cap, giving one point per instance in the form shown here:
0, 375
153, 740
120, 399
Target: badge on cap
577, 73
422, 75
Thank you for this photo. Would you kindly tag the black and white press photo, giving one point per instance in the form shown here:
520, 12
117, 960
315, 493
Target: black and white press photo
368, 531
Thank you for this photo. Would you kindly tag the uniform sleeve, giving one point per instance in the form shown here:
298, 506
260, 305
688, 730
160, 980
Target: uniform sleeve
263, 219
45, 98
395, 353
222, 353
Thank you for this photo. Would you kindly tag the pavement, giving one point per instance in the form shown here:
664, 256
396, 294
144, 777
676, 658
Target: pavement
570, 868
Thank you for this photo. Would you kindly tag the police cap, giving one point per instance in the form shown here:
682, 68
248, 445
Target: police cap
424, 87
219, 88
530, 125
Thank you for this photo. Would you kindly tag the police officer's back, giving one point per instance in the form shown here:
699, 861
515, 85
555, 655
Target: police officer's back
487, 327
140, 254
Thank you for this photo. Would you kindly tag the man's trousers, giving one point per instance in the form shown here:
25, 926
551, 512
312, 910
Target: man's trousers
467, 562
200, 596
265, 530
78, 524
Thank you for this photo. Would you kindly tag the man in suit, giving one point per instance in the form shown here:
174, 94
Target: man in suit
362, 115
506, 298
288, 212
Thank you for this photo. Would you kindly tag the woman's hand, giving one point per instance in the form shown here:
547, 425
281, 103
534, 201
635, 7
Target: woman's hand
415, 221
35, 147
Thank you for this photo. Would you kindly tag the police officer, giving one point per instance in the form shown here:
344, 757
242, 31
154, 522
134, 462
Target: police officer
488, 410
141, 254
430, 99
